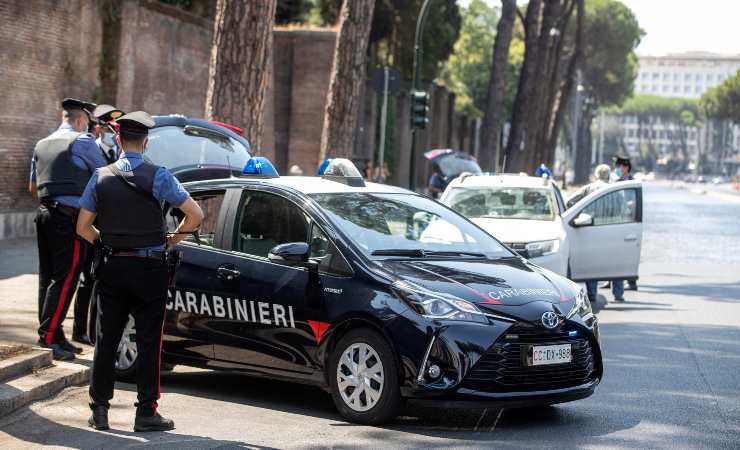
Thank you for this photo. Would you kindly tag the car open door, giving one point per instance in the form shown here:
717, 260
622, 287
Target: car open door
605, 233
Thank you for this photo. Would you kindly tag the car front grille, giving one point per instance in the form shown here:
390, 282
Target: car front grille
519, 247
503, 368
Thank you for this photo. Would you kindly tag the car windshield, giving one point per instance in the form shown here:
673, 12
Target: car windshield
406, 225
455, 163
502, 203
180, 149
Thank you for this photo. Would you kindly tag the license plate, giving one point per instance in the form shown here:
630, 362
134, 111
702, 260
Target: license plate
550, 354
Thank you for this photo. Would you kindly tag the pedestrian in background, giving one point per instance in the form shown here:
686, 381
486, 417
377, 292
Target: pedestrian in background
104, 117
60, 168
437, 182
127, 199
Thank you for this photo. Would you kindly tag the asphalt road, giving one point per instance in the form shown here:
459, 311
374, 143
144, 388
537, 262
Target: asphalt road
672, 371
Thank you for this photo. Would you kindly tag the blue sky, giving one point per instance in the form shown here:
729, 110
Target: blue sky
683, 25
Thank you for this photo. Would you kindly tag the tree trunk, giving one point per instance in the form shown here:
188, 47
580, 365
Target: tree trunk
240, 65
488, 156
527, 79
582, 163
560, 102
347, 76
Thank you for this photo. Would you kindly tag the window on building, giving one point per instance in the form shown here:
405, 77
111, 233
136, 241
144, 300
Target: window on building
665, 88
697, 77
656, 76
666, 76
710, 77
644, 75
676, 77
676, 88
687, 89
687, 77
697, 88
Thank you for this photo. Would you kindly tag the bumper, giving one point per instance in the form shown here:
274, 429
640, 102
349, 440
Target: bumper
466, 398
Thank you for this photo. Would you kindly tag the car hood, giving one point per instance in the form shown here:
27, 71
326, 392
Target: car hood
519, 230
504, 285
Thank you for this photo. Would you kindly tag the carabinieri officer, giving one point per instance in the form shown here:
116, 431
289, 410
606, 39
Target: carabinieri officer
127, 199
60, 168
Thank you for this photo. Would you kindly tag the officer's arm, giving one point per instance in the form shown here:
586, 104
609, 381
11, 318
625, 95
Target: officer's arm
191, 222
85, 227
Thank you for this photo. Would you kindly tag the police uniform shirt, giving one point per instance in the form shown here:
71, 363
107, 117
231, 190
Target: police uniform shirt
109, 153
165, 188
85, 154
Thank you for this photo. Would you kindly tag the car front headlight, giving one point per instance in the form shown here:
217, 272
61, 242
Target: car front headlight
542, 248
437, 305
582, 306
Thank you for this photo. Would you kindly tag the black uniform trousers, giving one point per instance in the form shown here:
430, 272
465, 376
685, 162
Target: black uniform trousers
84, 292
61, 253
137, 286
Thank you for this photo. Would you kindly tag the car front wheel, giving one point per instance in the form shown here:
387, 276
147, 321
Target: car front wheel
364, 378
127, 353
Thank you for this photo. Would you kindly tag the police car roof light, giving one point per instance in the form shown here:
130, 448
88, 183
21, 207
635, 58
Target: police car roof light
341, 170
259, 166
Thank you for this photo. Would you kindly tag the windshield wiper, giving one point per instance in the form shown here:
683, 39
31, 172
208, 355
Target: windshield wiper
419, 253
416, 253
453, 253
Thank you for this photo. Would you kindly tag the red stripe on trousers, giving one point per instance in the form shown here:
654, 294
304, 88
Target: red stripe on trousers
49, 338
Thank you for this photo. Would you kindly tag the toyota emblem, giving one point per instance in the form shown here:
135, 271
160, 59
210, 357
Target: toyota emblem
550, 319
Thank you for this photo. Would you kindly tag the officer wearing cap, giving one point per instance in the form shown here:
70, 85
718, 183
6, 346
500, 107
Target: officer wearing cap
60, 168
104, 117
622, 172
127, 199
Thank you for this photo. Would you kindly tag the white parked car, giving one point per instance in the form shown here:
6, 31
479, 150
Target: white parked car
598, 238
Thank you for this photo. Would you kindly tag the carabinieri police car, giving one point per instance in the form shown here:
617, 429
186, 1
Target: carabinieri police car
372, 292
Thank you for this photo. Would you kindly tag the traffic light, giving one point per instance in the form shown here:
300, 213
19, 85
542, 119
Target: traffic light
419, 109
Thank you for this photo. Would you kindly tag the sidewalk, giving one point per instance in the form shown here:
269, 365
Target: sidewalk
19, 291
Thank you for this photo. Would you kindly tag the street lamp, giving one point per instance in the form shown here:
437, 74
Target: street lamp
418, 53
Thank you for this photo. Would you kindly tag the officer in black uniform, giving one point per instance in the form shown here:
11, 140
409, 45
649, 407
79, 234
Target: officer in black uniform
104, 117
126, 197
60, 168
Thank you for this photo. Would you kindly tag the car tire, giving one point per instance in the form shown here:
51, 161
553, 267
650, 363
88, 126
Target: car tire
379, 398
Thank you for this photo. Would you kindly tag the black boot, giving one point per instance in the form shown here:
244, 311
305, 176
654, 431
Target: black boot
99, 417
82, 339
57, 352
66, 345
153, 423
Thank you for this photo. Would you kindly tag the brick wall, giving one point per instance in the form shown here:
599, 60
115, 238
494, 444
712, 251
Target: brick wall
47, 53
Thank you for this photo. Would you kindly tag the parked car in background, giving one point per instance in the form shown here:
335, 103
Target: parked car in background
598, 238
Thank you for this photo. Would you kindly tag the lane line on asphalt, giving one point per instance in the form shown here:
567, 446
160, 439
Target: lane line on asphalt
495, 422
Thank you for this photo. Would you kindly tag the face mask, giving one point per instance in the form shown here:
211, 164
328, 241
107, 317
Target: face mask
108, 139
618, 172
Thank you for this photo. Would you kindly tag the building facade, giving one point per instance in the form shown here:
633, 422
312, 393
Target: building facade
684, 75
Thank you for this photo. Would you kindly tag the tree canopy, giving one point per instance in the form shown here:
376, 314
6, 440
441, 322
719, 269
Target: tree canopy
722, 102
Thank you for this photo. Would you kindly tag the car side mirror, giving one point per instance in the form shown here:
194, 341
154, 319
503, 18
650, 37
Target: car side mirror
291, 254
583, 220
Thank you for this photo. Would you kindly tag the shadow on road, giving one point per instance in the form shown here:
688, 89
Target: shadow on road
20, 256
718, 292
45, 432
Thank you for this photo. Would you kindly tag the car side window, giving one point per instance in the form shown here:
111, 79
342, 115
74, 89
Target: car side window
559, 198
211, 203
267, 220
330, 260
614, 208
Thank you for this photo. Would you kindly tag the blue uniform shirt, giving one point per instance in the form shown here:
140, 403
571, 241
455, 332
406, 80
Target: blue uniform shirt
165, 188
85, 154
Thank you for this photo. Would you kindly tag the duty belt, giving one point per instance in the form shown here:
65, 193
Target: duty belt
159, 255
64, 209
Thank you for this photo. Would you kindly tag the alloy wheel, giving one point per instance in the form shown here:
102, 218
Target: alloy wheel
360, 377
127, 349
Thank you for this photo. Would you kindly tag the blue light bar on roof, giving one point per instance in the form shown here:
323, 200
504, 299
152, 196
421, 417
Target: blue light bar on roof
260, 166
341, 170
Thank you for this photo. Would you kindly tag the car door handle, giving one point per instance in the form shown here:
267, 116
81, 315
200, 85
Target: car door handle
630, 237
228, 272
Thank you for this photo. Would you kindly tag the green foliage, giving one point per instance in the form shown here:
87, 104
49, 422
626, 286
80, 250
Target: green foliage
292, 11
722, 102
469, 68
682, 111
611, 33
393, 30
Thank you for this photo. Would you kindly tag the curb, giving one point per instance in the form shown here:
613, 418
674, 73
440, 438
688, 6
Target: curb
41, 384
23, 364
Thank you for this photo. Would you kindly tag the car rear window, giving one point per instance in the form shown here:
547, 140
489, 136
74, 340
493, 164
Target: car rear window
178, 150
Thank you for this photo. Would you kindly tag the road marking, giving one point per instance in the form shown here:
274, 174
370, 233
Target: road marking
485, 411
